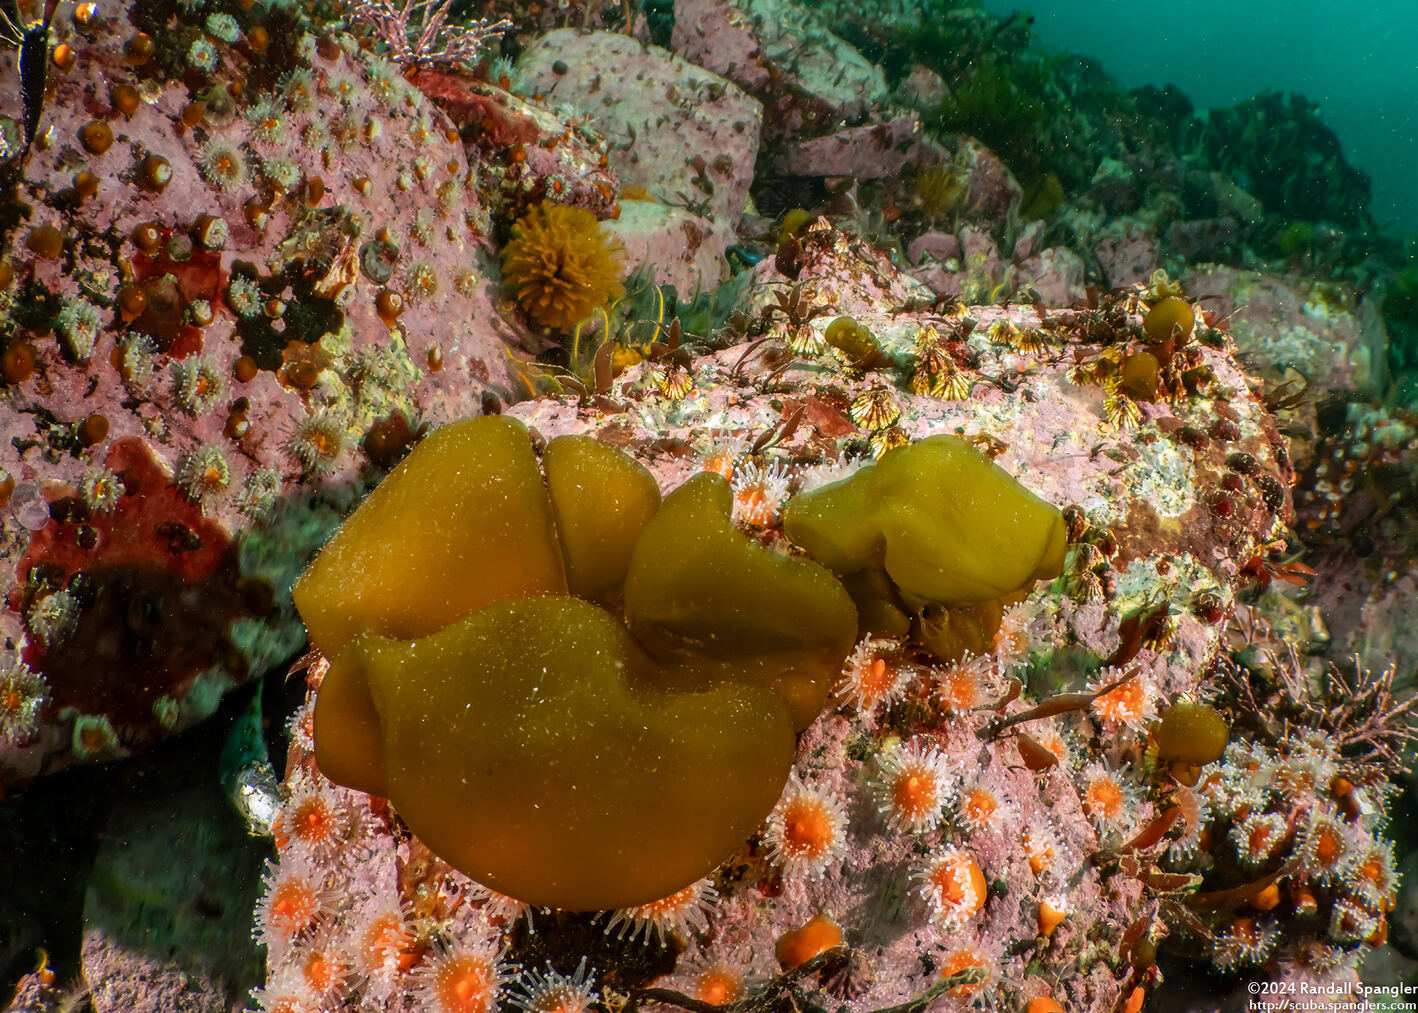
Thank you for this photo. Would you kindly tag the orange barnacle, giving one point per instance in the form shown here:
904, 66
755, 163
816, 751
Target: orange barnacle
682, 913
1326, 848
1134, 1000
1052, 912
459, 980
961, 687
292, 901
313, 820
1043, 1004
913, 786
1035, 754
979, 806
324, 969
1040, 849
1267, 899
1105, 797
383, 947
1128, 703
800, 945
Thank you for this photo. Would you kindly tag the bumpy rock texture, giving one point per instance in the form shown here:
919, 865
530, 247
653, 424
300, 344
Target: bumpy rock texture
250, 263
1077, 831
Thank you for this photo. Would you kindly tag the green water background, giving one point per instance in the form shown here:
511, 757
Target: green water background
1358, 61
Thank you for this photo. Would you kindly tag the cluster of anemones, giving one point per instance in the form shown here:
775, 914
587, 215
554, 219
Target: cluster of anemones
1289, 820
324, 938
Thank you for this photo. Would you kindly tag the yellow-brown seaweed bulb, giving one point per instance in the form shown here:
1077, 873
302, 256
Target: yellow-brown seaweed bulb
944, 522
602, 501
556, 750
461, 522
712, 605
1191, 734
530, 746
1168, 318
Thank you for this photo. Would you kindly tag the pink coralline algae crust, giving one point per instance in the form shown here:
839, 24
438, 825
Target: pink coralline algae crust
1288, 327
260, 291
683, 132
879, 151
1093, 847
808, 79
522, 153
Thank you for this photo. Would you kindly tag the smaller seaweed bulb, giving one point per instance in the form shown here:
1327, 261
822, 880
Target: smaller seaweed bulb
22, 696
418, 34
